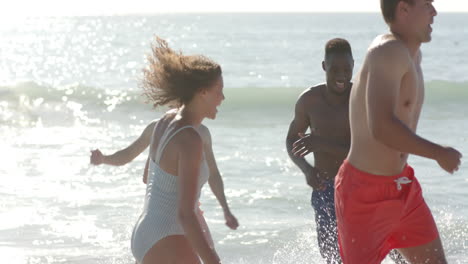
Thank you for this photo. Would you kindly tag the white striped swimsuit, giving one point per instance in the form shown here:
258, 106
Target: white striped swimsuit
159, 217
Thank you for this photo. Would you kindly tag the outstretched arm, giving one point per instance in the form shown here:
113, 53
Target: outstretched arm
127, 154
388, 64
216, 182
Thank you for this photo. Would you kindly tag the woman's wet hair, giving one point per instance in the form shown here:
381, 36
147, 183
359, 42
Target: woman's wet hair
173, 78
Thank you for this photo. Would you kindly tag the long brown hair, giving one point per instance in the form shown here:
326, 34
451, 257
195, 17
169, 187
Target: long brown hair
174, 78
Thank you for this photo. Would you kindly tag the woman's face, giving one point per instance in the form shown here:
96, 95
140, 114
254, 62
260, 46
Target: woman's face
213, 97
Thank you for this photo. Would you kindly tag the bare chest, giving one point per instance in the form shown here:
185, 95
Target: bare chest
330, 121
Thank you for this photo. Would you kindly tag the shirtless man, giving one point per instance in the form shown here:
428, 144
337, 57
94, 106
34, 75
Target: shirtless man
324, 109
379, 203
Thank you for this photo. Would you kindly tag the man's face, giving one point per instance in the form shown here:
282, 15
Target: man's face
339, 71
420, 16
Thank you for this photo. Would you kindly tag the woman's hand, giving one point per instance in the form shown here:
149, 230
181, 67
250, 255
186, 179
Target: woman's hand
96, 157
231, 220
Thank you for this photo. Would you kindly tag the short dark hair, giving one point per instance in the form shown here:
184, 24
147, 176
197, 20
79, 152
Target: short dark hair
337, 45
388, 8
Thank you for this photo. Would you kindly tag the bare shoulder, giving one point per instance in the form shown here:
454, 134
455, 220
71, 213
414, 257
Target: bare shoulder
152, 124
189, 139
310, 95
205, 133
148, 131
166, 118
387, 47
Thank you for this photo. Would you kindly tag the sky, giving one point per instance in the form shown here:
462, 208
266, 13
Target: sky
20, 8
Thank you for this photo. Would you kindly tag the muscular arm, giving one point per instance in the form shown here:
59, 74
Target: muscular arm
299, 124
189, 169
387, 66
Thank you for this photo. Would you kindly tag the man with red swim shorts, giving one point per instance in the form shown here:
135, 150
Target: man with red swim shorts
379, 203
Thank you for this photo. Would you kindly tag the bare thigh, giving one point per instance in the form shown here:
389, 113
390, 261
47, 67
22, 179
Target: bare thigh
432, 253
171, 250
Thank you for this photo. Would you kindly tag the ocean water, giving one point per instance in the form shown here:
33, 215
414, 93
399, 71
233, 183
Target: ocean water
70, 84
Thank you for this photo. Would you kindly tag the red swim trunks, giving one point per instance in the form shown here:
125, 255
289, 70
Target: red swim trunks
378, 213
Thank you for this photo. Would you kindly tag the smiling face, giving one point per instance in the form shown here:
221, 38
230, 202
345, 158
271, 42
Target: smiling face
213, 96
339, 71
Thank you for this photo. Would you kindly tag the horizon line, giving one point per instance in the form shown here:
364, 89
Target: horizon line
214, 12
